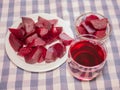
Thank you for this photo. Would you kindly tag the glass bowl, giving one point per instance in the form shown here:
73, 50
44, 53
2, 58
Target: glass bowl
101, 37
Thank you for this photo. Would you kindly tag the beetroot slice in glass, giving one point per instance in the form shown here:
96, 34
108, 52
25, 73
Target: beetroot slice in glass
81, 29
100, 33
89, 18
99, 24
89, 29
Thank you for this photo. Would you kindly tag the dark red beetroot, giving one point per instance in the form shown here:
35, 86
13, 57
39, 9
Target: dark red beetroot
21, 26
55, 31
19, 33
43, 53
53, 21
52, 35
30, 38
59, 49
89, 29
29, 25
66, 39
99, 24
39, 25
14, 42
24, 51
33, 56
51, 56
37, 42
55, 51
44, 22
100, 33
81, 30
89, 18
42, 31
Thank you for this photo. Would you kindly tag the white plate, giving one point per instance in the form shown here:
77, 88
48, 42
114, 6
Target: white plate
38, 67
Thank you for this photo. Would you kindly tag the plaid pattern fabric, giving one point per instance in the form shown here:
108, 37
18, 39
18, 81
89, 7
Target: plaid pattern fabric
14, 78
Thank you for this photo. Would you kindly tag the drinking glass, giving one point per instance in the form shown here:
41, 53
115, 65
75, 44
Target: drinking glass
86, 57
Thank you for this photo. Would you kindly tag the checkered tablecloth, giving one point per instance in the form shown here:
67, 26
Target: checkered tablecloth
14, 78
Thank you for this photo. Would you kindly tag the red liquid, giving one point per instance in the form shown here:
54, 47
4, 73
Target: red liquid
88, 53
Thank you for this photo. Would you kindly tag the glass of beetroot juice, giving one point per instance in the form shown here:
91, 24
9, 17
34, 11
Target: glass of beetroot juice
86, 57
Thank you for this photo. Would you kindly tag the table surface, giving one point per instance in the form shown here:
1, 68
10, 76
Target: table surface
14, 78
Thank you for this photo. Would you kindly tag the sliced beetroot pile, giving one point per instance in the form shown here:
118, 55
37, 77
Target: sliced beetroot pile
33, 40
94, 25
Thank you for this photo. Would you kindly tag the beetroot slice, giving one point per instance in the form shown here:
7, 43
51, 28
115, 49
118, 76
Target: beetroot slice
81, 30
100, 33
99, 24
44, 22
55, 51
51, 56
66, 39
55, 31
43, 53
53, 21
24, 51
52, 35
21, 26
89, 29
28, 24
89, 18
14, 42
39, 25
37, 42
59, 49
42, 31
30, 38
33, 56
48, 38
19, 33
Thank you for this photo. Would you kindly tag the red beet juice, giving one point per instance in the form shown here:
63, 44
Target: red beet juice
86, 59
88, 53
